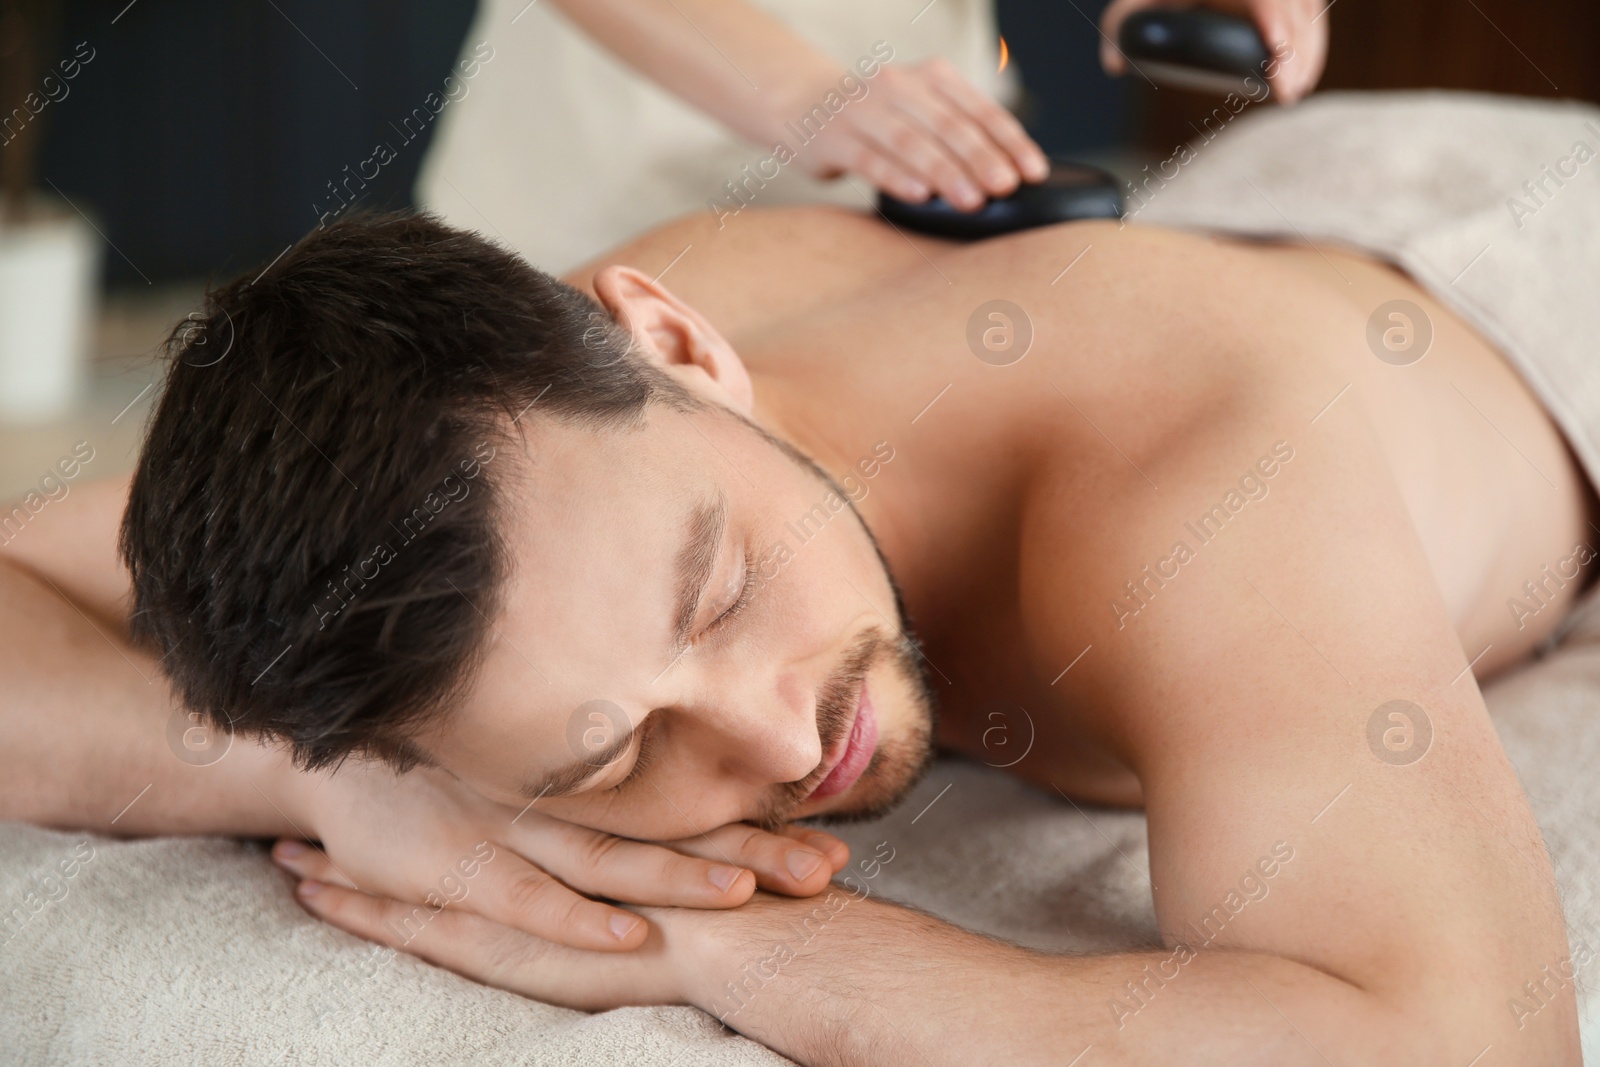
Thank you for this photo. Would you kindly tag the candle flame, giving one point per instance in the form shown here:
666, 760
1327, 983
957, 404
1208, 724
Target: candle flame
1005, 56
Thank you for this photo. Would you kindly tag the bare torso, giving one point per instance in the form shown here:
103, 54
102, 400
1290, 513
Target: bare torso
1123, 339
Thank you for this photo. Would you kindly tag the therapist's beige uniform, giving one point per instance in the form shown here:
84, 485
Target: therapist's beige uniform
562, 151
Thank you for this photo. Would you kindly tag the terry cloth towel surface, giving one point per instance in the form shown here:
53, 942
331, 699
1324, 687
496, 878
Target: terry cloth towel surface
192, 951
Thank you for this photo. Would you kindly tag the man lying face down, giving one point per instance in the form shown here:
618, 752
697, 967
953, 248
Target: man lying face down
598, 580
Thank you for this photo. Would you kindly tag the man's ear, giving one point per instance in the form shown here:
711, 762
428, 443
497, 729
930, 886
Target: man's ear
674, 335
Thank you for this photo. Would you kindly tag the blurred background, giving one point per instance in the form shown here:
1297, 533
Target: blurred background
193, 140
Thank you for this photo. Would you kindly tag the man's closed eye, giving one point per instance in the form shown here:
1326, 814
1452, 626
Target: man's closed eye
746, 591
646, 755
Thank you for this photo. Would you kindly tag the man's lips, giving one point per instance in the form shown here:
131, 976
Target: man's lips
859, 745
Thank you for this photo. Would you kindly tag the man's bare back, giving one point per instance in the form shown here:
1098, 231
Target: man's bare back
876, 319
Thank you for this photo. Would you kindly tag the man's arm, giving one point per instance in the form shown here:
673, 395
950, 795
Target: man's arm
1294, 676
886, 985
84, 725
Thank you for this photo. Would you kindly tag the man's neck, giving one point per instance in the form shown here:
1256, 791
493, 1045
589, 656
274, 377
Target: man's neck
818, 422
942, 516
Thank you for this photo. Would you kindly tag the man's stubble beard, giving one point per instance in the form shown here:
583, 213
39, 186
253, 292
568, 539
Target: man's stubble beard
897, 764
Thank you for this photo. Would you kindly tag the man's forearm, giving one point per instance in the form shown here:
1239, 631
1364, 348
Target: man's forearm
844, 980
84, 733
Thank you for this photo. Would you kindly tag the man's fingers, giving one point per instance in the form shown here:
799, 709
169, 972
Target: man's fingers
463, 943
496, 955
782, 863
512, 892
636, 872
837, 851
294, 854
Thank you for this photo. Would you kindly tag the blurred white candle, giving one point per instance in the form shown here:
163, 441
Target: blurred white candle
47, 283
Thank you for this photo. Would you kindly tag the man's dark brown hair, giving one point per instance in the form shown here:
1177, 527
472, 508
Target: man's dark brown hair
312, 527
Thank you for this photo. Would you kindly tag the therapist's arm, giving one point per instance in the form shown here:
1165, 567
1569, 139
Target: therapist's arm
910, 130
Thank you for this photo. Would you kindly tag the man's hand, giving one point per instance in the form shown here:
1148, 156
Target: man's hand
426, 839
657, 972
919, 130
1296, 32
684, 959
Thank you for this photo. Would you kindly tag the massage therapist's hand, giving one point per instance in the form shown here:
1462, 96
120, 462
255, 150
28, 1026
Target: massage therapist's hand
1296, 32
908, 129
918, 130
425, 838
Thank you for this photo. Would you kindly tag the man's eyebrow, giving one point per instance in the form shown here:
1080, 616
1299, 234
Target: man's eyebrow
696, 559
692, 570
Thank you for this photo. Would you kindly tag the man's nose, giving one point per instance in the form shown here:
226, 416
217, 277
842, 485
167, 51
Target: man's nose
772, 729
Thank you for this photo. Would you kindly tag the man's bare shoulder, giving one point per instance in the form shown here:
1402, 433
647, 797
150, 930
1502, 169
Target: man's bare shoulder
768, 265
1127, 289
